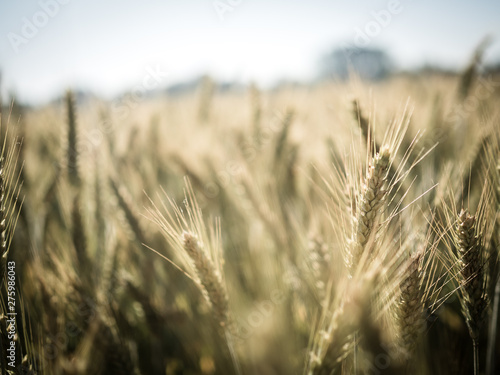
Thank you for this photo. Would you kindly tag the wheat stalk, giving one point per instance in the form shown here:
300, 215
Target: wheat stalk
333, 340
338, 332
79, 237
125, 203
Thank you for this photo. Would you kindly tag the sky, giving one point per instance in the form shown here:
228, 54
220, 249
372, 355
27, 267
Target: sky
47, 46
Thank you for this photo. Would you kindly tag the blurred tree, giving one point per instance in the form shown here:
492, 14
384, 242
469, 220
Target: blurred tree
368, 63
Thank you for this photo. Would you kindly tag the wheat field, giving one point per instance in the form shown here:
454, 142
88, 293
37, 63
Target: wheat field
338, 228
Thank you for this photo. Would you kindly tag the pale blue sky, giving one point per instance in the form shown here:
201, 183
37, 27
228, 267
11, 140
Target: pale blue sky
106, 46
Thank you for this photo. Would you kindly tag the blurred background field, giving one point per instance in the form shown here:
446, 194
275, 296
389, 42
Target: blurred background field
236, 187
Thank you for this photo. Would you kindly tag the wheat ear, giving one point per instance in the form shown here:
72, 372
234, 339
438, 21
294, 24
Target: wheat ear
361, 119
368, 207
72, 150
210, 278
474, 296
410, 313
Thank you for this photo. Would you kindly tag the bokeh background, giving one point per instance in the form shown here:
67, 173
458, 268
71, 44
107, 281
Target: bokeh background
104, 48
